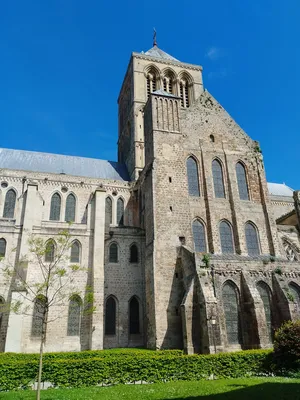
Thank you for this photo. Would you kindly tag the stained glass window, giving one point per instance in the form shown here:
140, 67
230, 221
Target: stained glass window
2, 247
9, 204
70, 208
199, 236
242, 181
37, 317
75, 252
108, 211
134, 316
231, 311
251, 239
55, 207
120, 211
74, 316
110, 316
192, 175
134, 255
50, 251
226, 238
218, 179
113, 253
265, 294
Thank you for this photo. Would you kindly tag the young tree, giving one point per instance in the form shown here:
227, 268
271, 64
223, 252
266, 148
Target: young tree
52, 284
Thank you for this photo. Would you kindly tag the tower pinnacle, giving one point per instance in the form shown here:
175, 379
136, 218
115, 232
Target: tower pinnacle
154, 37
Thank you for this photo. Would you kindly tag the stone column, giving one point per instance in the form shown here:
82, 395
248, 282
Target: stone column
98, 269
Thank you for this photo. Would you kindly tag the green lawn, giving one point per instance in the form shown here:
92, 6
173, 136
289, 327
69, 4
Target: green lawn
223, 389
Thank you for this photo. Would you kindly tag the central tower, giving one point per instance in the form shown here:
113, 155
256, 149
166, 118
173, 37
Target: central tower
147, 73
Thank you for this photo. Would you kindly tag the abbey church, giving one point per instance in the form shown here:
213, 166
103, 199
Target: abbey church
185, 243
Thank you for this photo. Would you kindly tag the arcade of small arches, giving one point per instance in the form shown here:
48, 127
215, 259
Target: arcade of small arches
179, 85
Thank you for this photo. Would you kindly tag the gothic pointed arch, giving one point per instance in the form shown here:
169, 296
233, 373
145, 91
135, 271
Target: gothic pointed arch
108, 211
193, 176
134, 253
74, 315
134, 316
39, 310
55, 207
252, 240
231, 300
266, 297
218, 178
120, 211
152, 74
110, 315
185, 89
169, 81
50, 247
9, 204
294, 288
70, 208
241, 178
199, 236
113, 253
75, 251
226, 237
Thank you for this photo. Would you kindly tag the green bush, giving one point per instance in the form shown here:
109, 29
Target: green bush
287, 345
109, 367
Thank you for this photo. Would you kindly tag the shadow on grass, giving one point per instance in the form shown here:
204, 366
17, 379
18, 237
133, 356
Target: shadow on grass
263, 391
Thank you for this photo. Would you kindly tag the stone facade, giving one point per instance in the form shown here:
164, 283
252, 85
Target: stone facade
164, 292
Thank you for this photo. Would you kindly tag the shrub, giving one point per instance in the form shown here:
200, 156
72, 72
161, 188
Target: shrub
110, 367
287, 345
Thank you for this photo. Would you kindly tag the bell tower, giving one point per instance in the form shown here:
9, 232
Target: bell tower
149, 72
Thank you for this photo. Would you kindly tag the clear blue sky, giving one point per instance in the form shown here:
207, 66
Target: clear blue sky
63, 61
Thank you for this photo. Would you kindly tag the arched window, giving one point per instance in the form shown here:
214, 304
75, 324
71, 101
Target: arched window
231, 312
110, 316
168, 82
134, 316
74, 316
242, 181
108, 211
2, 247
184, 92
38, 316
199, 236
295, 291
70, 208
50, 251
120, 211
55, 207
75, 252
218, 179
226, 238
252, 239
151, 82
289, 251
192, 174
134, 254
9, 204
113, 253
265, 294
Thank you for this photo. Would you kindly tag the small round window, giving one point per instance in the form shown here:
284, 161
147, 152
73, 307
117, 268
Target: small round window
64, 189
4, 184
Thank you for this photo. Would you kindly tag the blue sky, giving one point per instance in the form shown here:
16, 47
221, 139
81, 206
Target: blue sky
63, 61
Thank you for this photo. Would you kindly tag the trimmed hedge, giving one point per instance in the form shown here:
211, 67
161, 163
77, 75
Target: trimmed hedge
110, 367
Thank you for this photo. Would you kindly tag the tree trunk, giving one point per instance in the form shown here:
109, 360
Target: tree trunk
38, 393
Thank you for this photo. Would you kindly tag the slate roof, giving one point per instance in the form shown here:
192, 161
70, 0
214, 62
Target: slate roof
280, 189
61, 164
158, 53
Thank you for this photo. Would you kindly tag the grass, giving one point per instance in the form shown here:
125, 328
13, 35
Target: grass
223, 389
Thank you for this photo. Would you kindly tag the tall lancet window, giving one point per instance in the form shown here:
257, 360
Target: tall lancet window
192, 175
70, 208
55, 207
242, 181
9, 204
217, 172
151, 82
